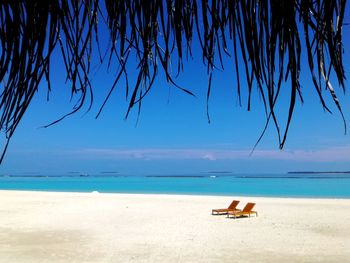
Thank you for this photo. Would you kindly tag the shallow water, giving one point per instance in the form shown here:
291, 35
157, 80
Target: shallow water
274, 185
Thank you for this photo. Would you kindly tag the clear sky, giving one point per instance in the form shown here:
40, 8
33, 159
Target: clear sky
173, 135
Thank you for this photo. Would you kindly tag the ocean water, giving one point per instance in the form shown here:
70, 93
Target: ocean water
272, 185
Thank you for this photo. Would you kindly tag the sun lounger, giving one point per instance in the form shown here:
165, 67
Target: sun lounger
247, 210
224, 211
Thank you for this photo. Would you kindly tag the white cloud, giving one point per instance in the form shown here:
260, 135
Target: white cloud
321, 155
209, 157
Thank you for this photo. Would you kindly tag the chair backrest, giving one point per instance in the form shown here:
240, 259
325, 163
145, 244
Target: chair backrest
248, 207
233, 205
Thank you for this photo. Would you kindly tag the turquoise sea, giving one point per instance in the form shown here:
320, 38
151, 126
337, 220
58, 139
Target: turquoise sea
274, 185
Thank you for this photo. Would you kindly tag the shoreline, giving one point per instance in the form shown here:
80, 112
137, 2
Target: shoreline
62, 227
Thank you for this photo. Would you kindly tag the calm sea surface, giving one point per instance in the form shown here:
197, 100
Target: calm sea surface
275, 185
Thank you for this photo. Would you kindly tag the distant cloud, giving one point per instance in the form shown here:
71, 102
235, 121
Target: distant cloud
321, 155
209, 157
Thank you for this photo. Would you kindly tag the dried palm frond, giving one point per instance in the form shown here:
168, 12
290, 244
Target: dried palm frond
268, 36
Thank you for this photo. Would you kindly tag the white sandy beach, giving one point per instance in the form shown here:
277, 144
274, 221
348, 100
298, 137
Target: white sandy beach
92, 227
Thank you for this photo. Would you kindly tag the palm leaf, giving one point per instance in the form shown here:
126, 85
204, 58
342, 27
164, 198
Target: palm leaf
266, 35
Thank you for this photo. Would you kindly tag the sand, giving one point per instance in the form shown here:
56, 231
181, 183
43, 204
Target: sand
92, 227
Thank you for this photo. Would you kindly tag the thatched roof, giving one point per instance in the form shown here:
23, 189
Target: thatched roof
268, 36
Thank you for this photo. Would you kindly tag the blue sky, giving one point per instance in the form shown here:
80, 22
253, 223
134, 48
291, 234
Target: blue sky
173, 134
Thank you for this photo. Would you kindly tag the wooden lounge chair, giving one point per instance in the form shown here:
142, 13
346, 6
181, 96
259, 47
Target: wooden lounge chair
224, 211
247, 210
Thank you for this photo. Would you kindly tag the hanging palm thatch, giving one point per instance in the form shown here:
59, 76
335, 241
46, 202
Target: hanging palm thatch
269, 36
